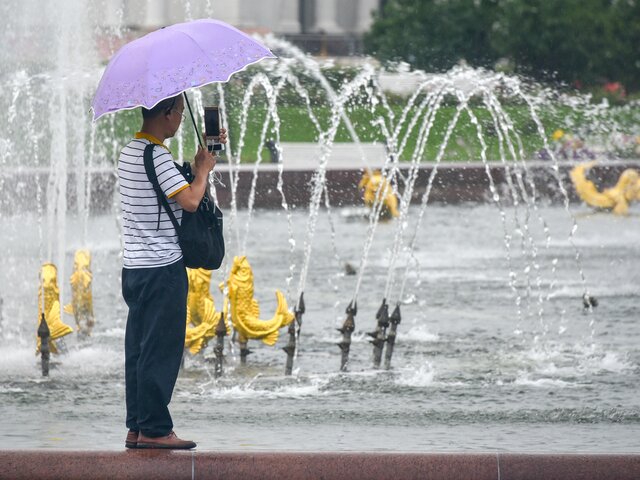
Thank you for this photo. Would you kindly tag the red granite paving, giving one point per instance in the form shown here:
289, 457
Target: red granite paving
573, 467
144, 464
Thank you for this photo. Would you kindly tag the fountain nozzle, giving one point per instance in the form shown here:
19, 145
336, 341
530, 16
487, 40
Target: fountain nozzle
380, 333
347, 329
588, 301
290, 347
44, 334
391, 337
300, 309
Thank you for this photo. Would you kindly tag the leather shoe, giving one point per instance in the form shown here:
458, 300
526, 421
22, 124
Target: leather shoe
132, 439
171, 442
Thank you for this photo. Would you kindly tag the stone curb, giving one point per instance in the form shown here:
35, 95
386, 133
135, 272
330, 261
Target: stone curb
135, 464
455, 183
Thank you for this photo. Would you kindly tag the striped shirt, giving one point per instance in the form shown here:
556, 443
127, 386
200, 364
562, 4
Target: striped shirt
146, 245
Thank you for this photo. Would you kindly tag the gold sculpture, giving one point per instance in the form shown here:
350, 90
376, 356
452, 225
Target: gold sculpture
81, 306
202, 317
617, 198
370, 183
245, 311
49, 300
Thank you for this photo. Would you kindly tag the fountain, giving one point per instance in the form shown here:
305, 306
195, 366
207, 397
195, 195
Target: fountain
488, 258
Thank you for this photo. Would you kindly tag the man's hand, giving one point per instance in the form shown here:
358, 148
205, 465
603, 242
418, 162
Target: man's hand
223, 135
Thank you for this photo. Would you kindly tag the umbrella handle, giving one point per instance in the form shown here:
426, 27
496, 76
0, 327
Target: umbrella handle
186, 99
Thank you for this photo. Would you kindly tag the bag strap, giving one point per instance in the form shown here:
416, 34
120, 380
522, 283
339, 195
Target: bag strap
153, 178
206, 202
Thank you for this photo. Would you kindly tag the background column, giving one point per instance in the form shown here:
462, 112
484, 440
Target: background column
289, 21
326, 11
365, 14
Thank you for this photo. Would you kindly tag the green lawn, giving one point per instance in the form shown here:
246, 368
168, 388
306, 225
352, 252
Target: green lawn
297, 126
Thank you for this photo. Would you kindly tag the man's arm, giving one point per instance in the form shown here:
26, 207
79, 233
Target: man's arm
189, 198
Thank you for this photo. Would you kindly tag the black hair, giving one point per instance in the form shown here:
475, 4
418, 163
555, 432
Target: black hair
163, 107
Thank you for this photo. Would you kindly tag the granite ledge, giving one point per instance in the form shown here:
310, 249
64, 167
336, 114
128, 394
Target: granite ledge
154, 464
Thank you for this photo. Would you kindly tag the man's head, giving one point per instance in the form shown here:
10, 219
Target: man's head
165, 116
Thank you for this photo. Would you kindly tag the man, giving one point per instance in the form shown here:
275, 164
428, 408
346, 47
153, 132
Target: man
154, 279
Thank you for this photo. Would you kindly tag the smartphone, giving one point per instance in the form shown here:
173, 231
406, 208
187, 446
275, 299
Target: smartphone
212, 128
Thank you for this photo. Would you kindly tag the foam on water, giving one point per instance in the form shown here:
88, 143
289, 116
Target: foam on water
418, 333
94, 360
115, 332
87, 362
17, 361
604, 291
573, 361
252, 391
526, 380
10, 390
423, 376
609, 362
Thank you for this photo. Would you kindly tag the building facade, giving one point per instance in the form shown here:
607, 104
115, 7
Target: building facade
318, 26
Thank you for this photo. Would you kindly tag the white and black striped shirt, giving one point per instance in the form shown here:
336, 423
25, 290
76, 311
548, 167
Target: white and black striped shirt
146, 245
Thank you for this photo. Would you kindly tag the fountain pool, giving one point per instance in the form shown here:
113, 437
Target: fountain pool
469, 375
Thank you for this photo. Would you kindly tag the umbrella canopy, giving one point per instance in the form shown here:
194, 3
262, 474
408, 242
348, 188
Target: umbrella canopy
171, 60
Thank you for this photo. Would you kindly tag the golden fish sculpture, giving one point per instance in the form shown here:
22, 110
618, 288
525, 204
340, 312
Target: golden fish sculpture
81, 306
245, 311
49, 300
616, 198
370, 183
202, 317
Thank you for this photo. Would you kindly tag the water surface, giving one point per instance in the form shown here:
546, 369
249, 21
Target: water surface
469, 372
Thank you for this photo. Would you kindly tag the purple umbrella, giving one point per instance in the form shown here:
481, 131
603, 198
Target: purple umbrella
169, 61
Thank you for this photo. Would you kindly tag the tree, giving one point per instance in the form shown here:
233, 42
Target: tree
577, 41
433, 34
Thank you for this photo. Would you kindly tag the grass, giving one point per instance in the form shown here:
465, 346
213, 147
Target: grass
297, 126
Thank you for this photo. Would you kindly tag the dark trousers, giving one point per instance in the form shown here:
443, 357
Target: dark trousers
153, 343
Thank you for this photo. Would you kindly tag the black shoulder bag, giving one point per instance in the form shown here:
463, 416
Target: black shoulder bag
200, 234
